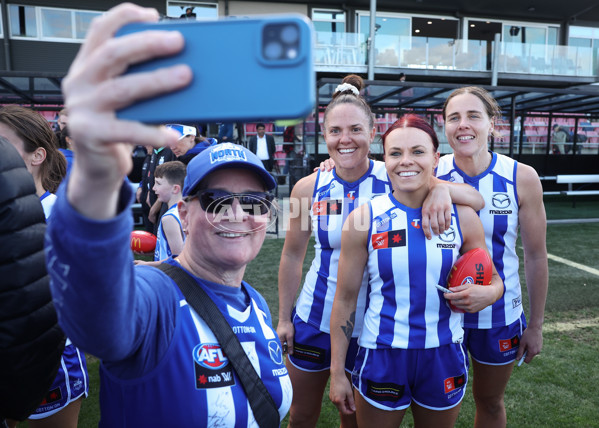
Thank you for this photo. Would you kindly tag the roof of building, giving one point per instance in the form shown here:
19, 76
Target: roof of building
393, 95
42, 91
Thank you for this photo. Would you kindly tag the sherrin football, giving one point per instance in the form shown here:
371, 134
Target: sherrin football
472, 267
142, 241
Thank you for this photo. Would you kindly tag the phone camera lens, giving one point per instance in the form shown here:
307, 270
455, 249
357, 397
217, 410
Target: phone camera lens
273, 50
291, 53
289, 34
281, 42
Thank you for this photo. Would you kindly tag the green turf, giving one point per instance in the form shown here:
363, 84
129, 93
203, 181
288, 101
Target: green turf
571, 207
557, 389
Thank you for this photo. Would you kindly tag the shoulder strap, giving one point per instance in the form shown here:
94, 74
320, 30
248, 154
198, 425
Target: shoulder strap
261, 402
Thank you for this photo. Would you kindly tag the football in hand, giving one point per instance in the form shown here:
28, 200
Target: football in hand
472, 267
142, 241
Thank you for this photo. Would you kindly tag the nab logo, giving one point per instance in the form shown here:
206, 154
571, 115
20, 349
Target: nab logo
501, 200
210, 355
350, 195
416, 223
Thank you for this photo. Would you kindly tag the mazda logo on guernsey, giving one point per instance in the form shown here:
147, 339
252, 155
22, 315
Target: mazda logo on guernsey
274, 349
448, 235
210, 355
501, 200
447, 239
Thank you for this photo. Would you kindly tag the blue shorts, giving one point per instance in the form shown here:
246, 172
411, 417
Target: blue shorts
390, 379
312, 348
495, 346
70, 383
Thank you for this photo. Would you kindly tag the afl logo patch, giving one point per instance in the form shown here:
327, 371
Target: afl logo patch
467, 280
501, 200
210, 355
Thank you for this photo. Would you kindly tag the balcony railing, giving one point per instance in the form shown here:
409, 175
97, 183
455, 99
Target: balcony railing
349, 49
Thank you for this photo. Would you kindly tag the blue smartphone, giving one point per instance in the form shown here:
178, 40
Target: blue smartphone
244, 69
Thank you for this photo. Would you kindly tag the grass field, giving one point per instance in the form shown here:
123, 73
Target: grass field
558, 388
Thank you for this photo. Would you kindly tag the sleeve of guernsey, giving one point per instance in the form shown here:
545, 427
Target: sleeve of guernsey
124, 315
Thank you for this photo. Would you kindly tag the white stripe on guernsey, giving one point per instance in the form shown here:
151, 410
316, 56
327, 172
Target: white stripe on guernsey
241, 316
573, 264
250, 350
261, 315
220, 404
433, 303
287, 389
222, 396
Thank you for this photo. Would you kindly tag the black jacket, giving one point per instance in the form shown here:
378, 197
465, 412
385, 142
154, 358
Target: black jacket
31, 342
270, 143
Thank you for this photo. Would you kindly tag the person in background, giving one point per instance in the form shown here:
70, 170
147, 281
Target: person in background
289, 139
64, 145
225, 132
263, 145
35, 141
63, 118
157, 353
189, 144
410, 344
498, 335
31, 343
159, 156
559, 138
168, 185
141, 194
189, 14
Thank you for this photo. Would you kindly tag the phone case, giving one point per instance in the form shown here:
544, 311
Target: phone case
237, 73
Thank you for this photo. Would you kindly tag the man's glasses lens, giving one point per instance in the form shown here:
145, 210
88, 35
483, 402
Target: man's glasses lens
218, 201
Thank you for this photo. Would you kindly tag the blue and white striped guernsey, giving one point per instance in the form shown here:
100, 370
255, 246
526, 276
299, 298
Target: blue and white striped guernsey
194, 384
163, 249
500, 219
332, 201
47, 199
404, 309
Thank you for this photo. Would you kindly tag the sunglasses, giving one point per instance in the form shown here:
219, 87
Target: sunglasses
214, 201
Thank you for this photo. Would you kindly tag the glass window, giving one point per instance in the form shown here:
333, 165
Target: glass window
392, 39
82, 22
552, 36
44, 23
56, 23
23, 22
329, 20
584, 32
192, 10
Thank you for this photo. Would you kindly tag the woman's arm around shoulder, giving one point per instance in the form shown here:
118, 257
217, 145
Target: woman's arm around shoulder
299, 229
436, 209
